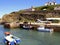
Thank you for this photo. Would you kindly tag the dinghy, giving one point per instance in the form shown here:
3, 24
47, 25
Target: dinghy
10, 39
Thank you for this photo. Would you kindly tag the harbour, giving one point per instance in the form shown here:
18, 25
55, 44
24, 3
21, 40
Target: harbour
26, 23
30, 37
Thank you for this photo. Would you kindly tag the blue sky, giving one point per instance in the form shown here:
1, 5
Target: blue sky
8, 6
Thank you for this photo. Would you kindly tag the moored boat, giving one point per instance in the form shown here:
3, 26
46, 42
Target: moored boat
27, 27
43, 29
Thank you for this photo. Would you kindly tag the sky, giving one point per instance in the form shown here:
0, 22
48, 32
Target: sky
8, 6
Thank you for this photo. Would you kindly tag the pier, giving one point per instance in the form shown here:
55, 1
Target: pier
54, 26
11, 25
20, 25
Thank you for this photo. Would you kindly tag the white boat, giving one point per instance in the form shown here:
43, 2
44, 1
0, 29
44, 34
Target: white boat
43, 29
11, 40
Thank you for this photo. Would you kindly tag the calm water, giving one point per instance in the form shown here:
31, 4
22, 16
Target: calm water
30, 37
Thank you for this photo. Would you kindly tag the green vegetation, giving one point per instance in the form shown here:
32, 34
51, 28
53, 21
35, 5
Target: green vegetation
46, 7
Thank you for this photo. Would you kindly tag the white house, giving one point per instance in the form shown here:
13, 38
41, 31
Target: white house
30, 9
50, 3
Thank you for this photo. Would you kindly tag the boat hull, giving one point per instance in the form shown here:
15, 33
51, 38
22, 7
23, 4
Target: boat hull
9, 40
27, 27
44, 30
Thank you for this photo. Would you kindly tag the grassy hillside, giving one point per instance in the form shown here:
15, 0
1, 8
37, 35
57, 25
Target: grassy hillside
16, 16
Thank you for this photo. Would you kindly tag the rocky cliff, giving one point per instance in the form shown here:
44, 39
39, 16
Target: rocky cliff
26, 15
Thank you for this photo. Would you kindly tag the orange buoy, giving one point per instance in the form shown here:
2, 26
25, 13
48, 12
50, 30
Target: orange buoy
7, 33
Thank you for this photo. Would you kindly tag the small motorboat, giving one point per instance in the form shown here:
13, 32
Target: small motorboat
27, 27
10, 39
43, 29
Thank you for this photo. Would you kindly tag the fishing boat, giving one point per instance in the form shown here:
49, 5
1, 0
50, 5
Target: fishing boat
10, 39
43, 29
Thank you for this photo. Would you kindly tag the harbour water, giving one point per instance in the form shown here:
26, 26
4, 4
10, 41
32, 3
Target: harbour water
31, 37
